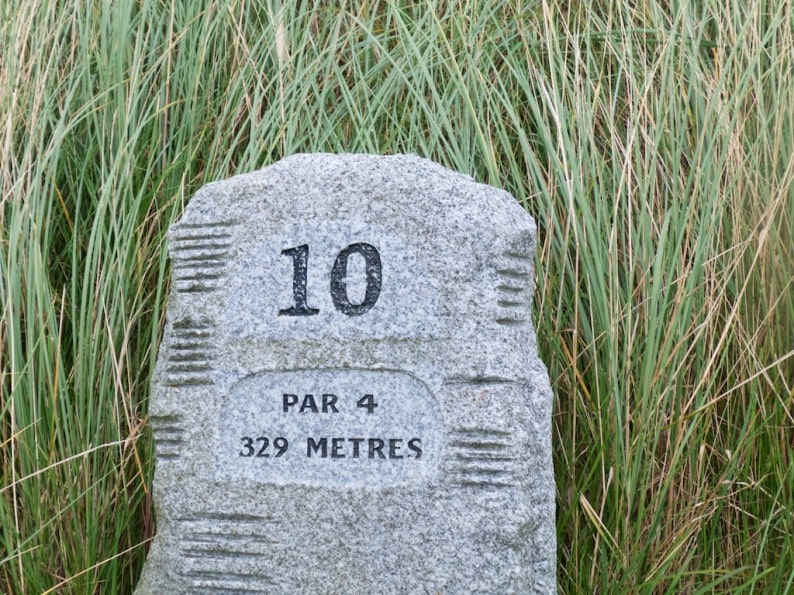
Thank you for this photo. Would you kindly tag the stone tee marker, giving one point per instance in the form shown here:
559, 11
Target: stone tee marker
348, 397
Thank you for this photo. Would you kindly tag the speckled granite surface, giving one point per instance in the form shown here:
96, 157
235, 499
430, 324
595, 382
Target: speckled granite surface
348, 397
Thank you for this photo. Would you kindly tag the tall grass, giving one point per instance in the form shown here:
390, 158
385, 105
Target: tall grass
651, 140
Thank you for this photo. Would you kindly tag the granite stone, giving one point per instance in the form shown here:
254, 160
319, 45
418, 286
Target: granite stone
348, 396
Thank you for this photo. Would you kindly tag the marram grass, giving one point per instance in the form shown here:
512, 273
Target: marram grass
651, 140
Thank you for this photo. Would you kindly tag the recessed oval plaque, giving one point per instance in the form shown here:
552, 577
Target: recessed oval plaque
329, 427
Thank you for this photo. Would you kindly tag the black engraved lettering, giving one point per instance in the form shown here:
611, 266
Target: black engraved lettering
394, 446
289, 401
376, 446
308, 403
320, 446
367, 402
356, 445
337, 448
374, 274
414, 445
265, 442
281, 444
300, 260
329, 403
248, 444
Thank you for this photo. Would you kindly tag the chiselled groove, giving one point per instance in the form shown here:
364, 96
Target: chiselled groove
182, 372
516, 255
201, 264
192, 333
223, 531
190, 356
176, 365
156, 420
203, 236
490, 478
219, 247
479, 444
472, 483
168, 442
196, 288
512, 304
168, 429
188, 367
483, 458
227, 516
200, 248
223, 223
513, 273
478, 380
199, 276
228, 581
482, 432
215, 545
511, 288
482, 471
207, 586
190, 345
208, 286
192, 338
218, 552
167, 456
188, 324
197, 260
189, 381
511, 321
215, 590
210, 537
221, 575
195, 285
191, 341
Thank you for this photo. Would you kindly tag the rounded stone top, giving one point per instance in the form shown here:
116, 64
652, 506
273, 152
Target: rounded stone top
366, 187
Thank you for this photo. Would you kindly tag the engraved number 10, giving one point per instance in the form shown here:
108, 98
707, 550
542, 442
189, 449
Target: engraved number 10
300, 262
